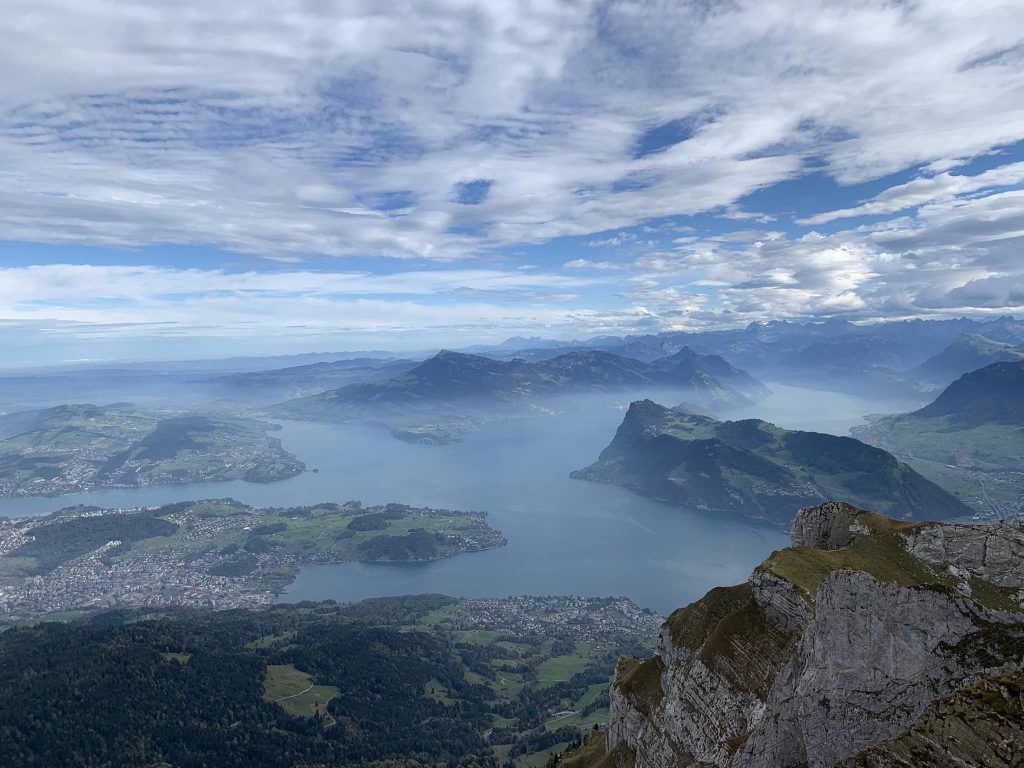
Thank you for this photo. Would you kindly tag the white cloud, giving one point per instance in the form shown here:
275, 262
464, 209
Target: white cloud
283, 129
588, 264
96, 304
926, 189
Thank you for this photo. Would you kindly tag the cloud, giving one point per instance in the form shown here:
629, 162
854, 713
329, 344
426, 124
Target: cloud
76, 281
288, 129
587, 264
924, 190
957, 257
459, 135
97, 303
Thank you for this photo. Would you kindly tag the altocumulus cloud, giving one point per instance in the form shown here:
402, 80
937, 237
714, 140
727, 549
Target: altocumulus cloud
450, 131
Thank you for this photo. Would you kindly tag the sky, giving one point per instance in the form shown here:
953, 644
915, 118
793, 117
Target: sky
197, 179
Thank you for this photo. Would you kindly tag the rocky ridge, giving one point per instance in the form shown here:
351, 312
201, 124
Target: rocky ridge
868, 642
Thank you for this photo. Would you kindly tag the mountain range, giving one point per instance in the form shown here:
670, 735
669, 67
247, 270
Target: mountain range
757, 469
967, 353
890, 357
298, 381
448, 393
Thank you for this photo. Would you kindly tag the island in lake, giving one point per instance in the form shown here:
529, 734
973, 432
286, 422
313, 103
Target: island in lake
80, 448
220, 553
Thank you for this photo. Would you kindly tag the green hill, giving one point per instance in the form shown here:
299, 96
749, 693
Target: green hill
757, 469
970, 440
75, 448
976, 423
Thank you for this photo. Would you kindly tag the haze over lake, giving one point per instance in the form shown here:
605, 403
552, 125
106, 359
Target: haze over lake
565, 536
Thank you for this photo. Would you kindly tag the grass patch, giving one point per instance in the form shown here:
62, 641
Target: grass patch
689, 627
476, 636
293, 690
558, 669
640, 681
747, 649
882, 556
592, 754
436, 691
540, 759
990, 596
592, 693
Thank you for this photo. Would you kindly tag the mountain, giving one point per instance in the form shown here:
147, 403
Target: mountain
757, 469
863, 349
865, 359
454, 390
970, 439
968, 353
301, 380
994, 393
869, 642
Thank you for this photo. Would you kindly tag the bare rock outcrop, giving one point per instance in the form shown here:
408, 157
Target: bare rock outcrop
826, 526
838, 645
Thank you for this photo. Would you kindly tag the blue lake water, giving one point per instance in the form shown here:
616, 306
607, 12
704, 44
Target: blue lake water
565, 536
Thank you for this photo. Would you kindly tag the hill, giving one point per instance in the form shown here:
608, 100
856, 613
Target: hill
757, 469
74, 448
970, 439
868, 642
450, 392
967, 353
994, 393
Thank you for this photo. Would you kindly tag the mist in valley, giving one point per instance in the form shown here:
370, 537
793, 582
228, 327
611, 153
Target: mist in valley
566, 536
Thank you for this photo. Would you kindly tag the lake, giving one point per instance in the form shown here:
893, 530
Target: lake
565, 536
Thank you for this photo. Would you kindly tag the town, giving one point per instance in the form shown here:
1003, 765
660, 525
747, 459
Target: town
217, 554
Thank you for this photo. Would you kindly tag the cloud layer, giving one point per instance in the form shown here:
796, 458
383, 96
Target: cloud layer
449, 131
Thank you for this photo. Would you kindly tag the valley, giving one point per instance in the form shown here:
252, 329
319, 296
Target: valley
970, 440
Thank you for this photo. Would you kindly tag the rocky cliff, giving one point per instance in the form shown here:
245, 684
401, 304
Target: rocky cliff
868, 642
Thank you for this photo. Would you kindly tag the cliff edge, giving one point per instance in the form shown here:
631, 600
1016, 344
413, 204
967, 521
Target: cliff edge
868, 642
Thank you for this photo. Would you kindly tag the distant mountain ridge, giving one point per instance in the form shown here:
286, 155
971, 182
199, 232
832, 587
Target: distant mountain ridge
873, 358
298, 381
454, 385
967, 353
757, 469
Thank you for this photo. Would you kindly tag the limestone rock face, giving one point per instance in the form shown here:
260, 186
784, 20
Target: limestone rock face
995, 552
833, 647
826, 526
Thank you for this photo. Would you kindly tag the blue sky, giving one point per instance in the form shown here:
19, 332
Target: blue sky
186, 179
